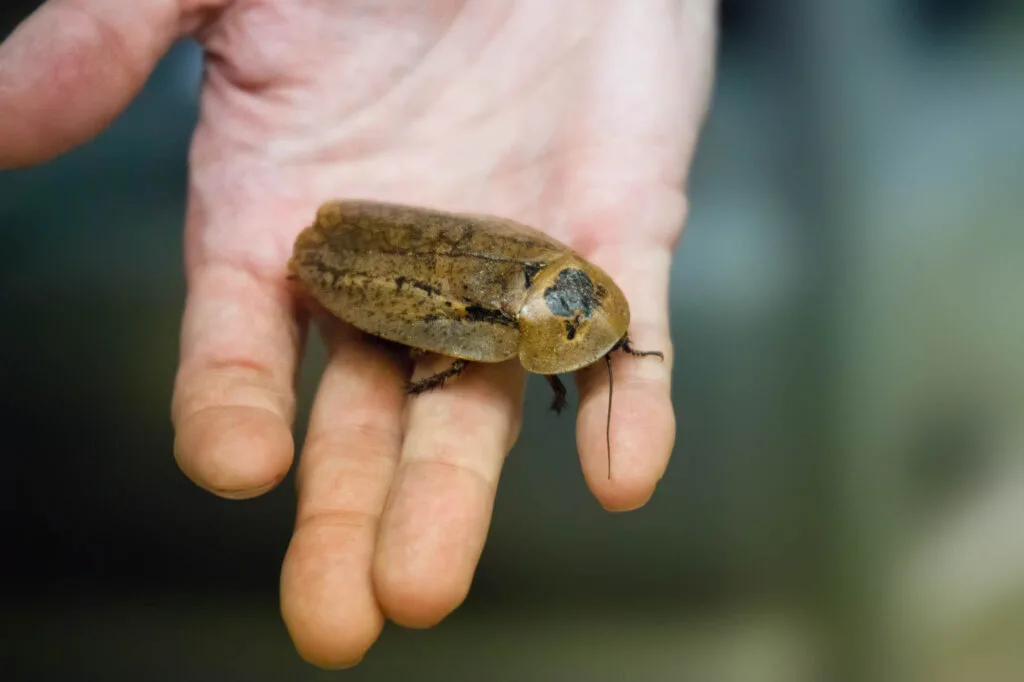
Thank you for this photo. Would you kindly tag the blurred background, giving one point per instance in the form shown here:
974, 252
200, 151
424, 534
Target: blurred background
846, 501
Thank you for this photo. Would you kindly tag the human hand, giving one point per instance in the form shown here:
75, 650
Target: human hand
577, 117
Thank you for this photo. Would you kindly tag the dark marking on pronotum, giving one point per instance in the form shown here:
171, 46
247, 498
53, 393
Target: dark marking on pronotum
478, 313
572, 294
530, 271
570, 329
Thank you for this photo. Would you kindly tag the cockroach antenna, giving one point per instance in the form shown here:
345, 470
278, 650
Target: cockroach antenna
608, 424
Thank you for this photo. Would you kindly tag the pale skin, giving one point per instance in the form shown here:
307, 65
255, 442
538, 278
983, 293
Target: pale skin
579, 117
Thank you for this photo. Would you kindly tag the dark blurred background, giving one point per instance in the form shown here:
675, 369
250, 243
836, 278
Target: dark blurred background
846, 500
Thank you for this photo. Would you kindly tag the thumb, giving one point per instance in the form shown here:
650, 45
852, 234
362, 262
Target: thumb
72, 66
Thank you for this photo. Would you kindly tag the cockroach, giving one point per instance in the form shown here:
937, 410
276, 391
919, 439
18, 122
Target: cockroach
474, 288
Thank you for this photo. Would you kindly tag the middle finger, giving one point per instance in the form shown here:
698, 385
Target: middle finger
434, 525
347, 464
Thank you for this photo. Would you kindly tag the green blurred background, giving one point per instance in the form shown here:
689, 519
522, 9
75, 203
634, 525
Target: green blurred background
846, 500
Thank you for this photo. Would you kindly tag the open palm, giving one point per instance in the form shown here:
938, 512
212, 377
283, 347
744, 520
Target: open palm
577, 117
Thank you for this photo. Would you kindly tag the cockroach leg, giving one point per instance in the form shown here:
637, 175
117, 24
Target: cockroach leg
559, 402
435, 380
627, 347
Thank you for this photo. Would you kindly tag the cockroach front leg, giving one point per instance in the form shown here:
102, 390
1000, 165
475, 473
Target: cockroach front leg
559, 402
627, 347
438, 379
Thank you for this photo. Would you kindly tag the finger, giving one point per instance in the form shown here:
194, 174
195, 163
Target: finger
436, 520
348, 461
71, 67
234, 397
642, 421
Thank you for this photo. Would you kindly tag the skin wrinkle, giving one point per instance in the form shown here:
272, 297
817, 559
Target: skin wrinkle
266, 273
425, 63
273, 289
346, 124
362, 429
212, 380
369, 440
241, 367
449, 454
370, 454
450, 449
352, 129
238, 391
218, 473
337, 518
449, 523
530, 81
489, 408
489, 482
394, 101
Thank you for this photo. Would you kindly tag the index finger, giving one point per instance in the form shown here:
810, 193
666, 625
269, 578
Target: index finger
94, 53
234, 397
